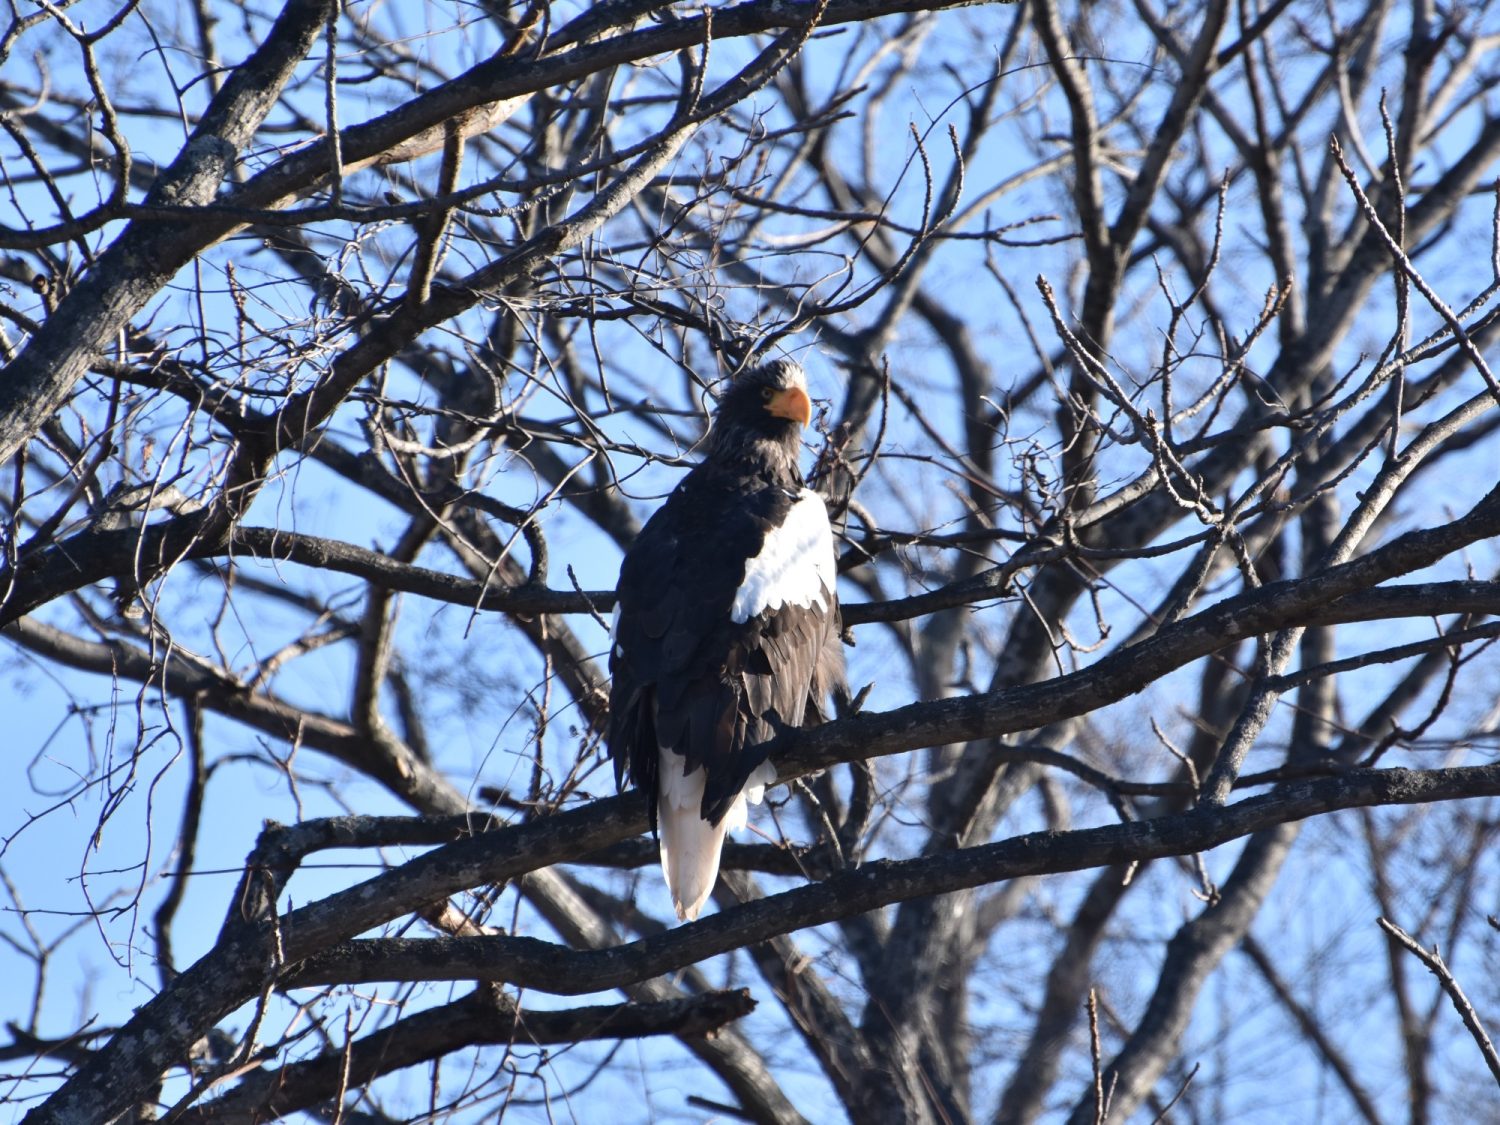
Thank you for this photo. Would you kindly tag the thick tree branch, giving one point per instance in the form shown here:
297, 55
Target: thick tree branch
146, 255
537, 964
485, 1016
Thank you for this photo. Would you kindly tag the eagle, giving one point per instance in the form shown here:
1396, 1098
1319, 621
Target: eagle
726, 628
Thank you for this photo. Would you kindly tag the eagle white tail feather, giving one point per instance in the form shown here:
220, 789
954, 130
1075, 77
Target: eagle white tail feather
690, 845
690, 857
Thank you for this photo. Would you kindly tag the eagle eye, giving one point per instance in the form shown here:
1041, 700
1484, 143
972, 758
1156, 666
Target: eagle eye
766, 393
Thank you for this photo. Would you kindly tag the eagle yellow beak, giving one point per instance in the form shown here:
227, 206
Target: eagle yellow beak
791, 404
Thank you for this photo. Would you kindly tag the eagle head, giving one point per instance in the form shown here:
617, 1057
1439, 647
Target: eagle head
766, 404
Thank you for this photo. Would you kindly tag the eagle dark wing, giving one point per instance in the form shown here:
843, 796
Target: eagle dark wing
725, 608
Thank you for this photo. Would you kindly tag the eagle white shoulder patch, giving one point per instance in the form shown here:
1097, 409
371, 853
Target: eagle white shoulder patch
795, 565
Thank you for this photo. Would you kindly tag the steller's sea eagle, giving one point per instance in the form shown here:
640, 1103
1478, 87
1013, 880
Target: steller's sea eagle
725, 630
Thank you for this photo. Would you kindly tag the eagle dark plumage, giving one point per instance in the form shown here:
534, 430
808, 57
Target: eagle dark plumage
726, 628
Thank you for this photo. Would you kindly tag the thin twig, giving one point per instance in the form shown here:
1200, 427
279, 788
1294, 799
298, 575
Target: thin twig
1435, 964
